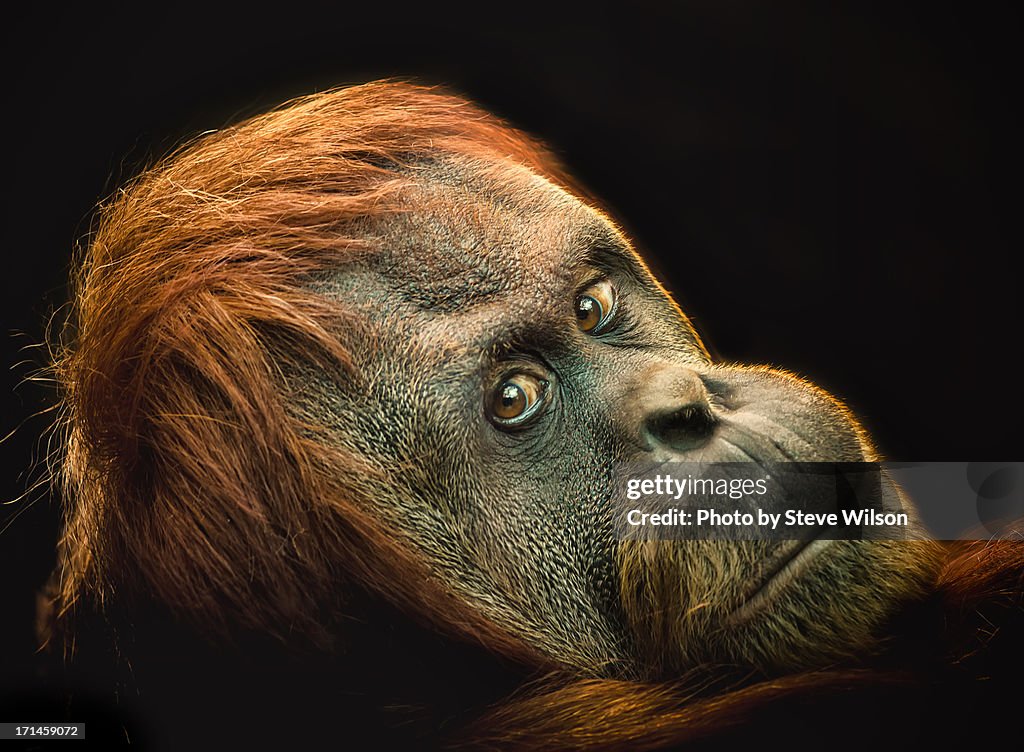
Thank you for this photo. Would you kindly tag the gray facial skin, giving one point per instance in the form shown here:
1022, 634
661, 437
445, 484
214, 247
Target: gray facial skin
475, 282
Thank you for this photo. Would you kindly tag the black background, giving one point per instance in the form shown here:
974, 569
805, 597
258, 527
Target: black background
827, 188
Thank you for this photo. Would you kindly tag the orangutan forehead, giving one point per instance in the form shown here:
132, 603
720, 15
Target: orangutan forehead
468, 232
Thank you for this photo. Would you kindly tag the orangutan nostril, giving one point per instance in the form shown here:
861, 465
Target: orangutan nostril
686, 428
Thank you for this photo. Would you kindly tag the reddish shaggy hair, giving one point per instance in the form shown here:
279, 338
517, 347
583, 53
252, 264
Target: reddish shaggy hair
183, 461
191, 302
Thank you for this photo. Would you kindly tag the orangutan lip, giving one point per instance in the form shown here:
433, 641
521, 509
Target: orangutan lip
778, 571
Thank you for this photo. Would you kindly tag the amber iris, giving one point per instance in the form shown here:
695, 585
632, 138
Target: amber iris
595, 307
516, 397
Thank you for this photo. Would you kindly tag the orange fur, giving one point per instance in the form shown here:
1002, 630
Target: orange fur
188, 479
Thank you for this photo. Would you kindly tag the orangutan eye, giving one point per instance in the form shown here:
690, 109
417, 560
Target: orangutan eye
517, 399
595, 307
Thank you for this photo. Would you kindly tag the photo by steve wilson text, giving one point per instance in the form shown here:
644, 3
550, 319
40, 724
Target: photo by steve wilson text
769, 520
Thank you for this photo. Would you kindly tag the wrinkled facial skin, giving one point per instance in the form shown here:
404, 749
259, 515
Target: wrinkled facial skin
476, 283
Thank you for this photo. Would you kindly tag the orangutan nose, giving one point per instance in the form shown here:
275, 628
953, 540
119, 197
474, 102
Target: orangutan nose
670, 409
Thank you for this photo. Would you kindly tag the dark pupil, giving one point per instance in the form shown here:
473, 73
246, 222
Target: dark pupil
587, 307
511, 395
